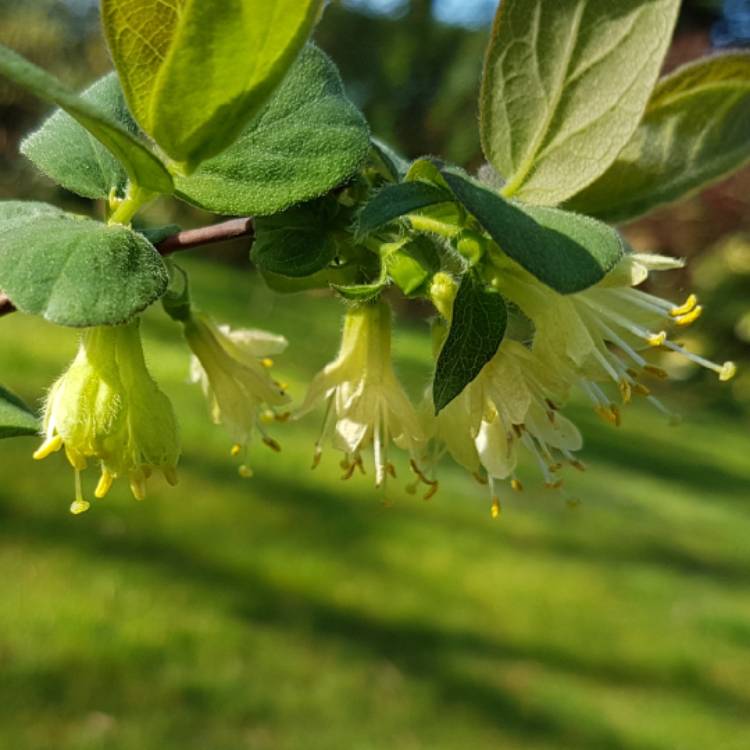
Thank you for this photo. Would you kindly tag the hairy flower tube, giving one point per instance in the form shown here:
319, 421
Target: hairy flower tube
107, 407
603, 334
232, 367
365, 403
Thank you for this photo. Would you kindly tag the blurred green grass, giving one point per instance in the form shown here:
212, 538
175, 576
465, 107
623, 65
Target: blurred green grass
298, 611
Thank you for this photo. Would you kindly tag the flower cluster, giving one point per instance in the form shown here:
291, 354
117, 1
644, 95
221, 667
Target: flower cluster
107, 408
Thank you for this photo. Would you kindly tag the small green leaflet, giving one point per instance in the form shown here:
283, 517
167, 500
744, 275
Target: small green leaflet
309, 139
696, 130
294, 243
195, 73
566, 251
393, 164
67, 153
16, 419
565, 85
74, 271
480, 318
394, 201
142, 166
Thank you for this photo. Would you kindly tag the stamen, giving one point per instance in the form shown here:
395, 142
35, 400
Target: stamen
236, 450
626, 390
105, 484
138, 486
495, 508
48, 447
431, 492
79, 505
272, 444
245, 472
268, 416
657, 339
170, 474
479, 478
516, 485
267, 362
657, 372
316, 457
687, 306
691, 317
725, 371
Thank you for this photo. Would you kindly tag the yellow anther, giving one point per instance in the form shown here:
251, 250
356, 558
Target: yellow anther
554, 485
431, 492
272, 444
391, 469
284, 417
138, 487
615, 415
170, 474
691, 317
657, 372
555, 467
79, 506
496, 508
626, 390
268, 417
516, 485
576, 464
267, 362
684, 308
607, 414
657, 339
245, 472
641, 389
728, 371
316, 458
236, 450
48, 447
105, 485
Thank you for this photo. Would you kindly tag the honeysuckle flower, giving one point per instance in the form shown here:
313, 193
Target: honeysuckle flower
107, 407
512, 404
365, 403
601, 334
232, 367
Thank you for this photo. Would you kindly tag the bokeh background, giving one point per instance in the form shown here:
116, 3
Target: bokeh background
298, 611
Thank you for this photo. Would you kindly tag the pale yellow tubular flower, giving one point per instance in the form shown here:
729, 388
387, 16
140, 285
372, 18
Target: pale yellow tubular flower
106, 407
366, 406
602, 333
233, 368
512, 404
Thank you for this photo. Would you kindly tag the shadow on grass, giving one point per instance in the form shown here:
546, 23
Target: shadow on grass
425, 651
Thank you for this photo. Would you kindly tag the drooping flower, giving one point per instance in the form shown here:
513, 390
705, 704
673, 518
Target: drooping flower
232, 367
602, 334
512, 404
107, 407
365, 403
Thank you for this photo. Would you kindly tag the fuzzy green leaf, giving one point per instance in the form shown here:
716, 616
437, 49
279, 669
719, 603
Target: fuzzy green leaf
696, 130
566, 251
478, 325
195, 73
67, 153
308, 140
16, 419
140, 164
394, 201
74, 271
565, 84
391, 162
294, 243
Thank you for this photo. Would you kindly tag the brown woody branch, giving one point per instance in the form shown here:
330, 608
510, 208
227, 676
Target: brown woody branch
227, 230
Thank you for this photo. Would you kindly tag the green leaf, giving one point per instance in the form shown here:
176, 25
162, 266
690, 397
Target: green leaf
142, 166
566, 251
416, 260
295, 243
478, 325
308, 140
67, 153
393, 201
696, 130
393, 164
363, 292
565, 84
74, 271
194, 72
16, 419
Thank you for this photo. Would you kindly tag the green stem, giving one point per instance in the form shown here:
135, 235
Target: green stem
135, 199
